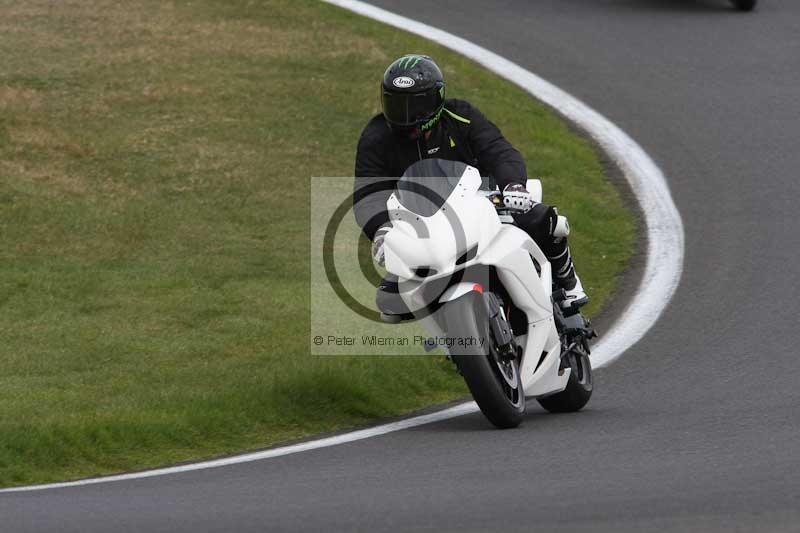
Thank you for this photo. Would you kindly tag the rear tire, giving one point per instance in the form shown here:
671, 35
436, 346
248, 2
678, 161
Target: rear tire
501, 399
744, 5
579, 387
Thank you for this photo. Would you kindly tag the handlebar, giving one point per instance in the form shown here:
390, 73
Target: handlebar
496, 197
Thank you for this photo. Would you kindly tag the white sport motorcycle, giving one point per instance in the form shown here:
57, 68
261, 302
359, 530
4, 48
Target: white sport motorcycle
483, 290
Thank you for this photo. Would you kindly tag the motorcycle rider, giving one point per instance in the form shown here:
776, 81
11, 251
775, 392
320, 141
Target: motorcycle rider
417, 122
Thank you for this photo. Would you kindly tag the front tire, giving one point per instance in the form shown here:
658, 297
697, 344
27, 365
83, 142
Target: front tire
495, 384
744, 5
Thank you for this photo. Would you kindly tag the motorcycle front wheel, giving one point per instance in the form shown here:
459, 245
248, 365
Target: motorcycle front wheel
494, 382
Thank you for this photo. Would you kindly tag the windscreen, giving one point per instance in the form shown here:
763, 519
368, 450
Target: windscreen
427, 184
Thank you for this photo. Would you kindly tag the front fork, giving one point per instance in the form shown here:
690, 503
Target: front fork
500, 328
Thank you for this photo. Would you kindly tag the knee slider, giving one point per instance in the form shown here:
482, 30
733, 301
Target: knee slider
562, 227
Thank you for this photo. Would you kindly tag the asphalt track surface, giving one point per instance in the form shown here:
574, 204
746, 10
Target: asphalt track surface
694, 429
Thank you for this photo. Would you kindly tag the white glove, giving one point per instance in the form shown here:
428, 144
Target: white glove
517, 198
378, 254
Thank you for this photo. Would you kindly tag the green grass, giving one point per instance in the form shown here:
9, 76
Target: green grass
154, 167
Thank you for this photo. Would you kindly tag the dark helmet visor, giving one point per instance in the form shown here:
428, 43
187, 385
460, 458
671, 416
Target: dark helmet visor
410, 109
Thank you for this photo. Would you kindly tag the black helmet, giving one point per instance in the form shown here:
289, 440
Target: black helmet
412, 95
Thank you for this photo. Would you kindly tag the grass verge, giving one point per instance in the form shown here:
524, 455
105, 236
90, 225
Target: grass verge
154, 168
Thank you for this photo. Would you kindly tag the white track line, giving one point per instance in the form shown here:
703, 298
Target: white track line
458, 410
662, 272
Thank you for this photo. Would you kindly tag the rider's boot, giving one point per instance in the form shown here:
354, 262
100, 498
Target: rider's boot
576, 297
565, 277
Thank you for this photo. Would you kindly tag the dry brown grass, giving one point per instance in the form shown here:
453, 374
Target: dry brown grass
113, 33
15, 99
50, 180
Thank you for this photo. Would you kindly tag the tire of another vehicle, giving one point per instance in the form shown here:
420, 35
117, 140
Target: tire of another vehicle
579, 387
744, 5
466, 318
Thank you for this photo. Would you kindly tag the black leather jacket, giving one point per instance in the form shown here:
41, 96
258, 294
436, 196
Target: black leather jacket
462, 134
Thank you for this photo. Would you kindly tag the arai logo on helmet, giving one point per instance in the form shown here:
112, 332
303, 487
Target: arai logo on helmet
403, 82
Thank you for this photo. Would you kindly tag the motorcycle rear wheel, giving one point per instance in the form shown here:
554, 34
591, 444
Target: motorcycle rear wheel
579, 387
495, 384
744, 5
